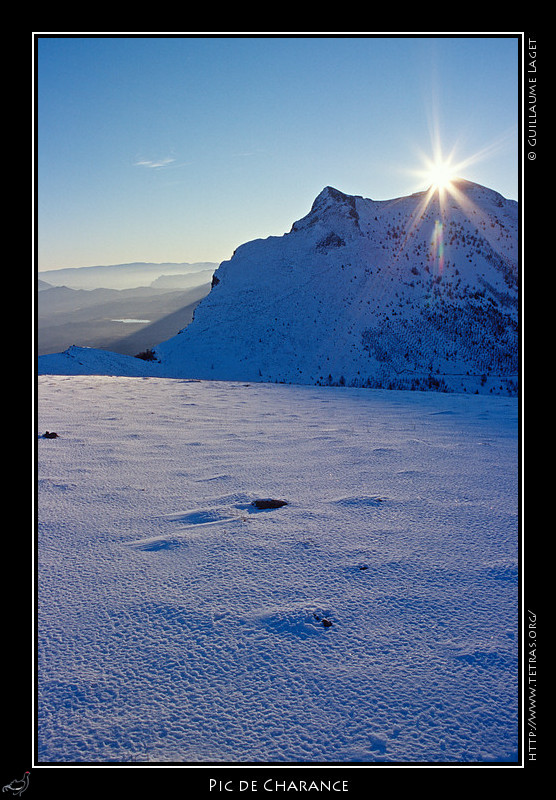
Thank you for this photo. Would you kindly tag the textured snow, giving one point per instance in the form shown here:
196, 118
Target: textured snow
178, 623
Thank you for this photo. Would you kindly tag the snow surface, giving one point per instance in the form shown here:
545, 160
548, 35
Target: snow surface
178, 623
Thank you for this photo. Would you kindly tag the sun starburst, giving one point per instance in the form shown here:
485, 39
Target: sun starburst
440, 175
439, 172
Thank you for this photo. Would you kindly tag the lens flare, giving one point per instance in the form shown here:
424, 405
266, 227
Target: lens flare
437, 247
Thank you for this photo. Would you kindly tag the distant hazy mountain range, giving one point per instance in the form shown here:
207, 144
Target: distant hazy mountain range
120, 276
125, 308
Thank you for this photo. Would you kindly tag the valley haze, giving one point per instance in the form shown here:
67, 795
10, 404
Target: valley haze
126, 308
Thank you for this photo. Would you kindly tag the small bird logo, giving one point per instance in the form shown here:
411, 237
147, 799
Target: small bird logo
17, 787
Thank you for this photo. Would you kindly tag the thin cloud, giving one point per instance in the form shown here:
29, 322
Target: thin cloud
162, 162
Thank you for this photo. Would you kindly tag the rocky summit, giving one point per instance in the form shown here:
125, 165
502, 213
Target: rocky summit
417, 292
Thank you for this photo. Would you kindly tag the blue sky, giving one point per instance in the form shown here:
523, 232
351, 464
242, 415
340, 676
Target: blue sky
182, 148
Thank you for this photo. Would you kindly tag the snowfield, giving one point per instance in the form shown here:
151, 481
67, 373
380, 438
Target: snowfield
178, 623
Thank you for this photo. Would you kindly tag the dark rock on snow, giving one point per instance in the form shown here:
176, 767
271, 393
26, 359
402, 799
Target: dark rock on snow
269, 503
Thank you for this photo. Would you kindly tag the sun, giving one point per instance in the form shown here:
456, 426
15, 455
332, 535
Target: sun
440, 175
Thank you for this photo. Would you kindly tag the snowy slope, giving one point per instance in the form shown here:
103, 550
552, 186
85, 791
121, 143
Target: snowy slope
177, 623
416, 292
90, 361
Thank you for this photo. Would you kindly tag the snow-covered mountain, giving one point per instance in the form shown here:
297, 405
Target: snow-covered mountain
416, 292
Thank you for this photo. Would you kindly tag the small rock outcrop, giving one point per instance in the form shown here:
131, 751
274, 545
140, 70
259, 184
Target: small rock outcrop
269, 503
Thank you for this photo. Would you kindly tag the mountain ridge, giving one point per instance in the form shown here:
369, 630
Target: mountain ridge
417, 292
342, 297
